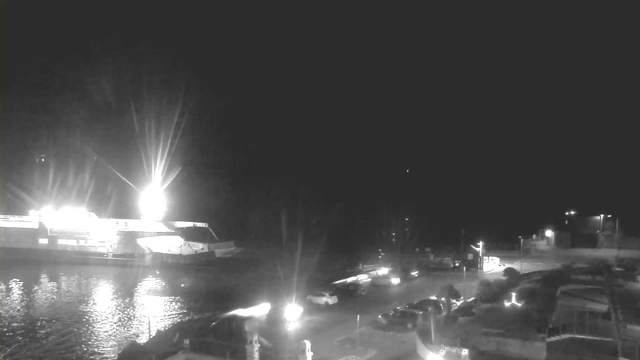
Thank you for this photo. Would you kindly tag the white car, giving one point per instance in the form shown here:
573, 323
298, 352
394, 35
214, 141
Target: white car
323, 298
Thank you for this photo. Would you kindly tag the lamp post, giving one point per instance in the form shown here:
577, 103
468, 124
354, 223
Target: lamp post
601, 221
568, 214
479, 250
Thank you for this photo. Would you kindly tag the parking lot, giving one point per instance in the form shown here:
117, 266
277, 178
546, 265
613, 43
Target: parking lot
335, 331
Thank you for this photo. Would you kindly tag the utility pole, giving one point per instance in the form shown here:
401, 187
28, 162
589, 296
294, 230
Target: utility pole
617, 243
462, 241
358, 336
521, 257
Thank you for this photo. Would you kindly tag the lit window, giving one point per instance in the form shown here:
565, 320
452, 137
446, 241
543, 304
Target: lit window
43, 241
62, 242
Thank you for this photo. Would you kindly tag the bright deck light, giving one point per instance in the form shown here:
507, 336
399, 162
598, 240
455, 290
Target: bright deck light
395, 281
152, 203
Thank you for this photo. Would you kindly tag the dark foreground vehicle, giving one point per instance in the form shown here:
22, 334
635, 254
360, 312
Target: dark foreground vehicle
401, 318
425, 306
349, 290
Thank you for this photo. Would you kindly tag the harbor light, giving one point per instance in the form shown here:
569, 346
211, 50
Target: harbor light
153, 204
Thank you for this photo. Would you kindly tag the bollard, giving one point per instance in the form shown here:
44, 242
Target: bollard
253, 346
305, 350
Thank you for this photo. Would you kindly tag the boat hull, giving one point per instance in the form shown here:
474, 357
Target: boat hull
8, 254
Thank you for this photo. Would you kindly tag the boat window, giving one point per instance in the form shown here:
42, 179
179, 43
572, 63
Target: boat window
197, 234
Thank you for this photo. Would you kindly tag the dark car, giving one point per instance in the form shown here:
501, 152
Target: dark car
402, 318
349, 290
425, 306
407, 273
228, 327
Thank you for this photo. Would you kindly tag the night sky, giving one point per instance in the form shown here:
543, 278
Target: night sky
503, 124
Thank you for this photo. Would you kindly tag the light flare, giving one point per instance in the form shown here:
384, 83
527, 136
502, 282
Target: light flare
255, 311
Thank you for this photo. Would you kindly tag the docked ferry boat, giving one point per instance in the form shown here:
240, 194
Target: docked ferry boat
75, 235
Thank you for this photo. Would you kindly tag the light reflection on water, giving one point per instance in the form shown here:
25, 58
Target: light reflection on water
82, 312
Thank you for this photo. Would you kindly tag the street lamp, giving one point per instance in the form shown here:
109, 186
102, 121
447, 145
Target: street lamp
479, 250
569, 213
292, 313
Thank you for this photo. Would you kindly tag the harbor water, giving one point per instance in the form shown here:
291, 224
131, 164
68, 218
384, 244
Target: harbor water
58, 311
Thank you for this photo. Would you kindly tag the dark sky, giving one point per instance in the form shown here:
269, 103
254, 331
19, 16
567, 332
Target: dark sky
503, 124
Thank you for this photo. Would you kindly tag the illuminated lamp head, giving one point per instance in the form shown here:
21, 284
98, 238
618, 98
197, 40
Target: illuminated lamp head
153, 204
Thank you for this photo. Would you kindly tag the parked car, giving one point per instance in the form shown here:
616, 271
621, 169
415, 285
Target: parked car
323, 298
425, 306
349, 290
402, 318
386, 280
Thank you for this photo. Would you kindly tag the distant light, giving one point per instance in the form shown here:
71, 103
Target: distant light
548, 233
406, 219
601, 215
415, 273
153, 203
608, 216
292, 312
394, 234
383, 271
395, 281
407, 170
572, 212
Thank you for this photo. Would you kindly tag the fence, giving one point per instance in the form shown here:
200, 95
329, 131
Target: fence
585, 324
